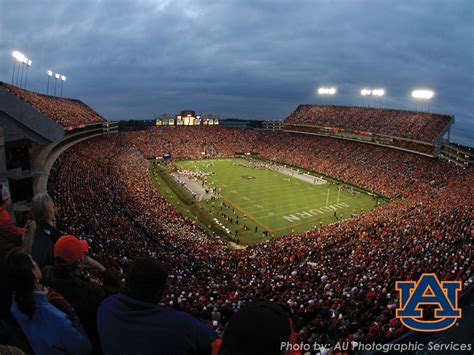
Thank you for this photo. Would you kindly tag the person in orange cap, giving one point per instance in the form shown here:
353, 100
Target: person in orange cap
67, 276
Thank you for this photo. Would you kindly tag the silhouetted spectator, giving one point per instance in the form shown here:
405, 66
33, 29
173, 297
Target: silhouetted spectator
134, 323
49, 330
83, 294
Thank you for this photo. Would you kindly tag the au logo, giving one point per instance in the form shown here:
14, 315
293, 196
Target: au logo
428, 291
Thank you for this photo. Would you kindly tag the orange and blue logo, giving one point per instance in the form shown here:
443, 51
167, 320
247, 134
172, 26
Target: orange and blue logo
428, 290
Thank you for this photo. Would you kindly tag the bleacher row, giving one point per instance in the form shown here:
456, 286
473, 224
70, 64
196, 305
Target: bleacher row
66, 112
419, 126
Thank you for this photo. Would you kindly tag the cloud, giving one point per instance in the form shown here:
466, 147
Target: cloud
255, 59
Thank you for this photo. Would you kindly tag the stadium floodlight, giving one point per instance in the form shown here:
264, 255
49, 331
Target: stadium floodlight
28, 65
56, 77
326, 91
63, 78
24, 63
378, 92
50, 74
422, 94
18, 56
365, 92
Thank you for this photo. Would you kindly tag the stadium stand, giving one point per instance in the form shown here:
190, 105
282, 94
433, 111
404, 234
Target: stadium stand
33, 134
103, 197
421, 126
420, 132
66, 112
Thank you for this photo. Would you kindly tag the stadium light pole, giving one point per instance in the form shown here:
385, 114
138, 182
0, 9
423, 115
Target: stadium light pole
15, 59
19, 57
373, 92
25, 60
327, 92
63, 79
50, 74
423, 95
379, 93
28, 64
364, 93
56, 77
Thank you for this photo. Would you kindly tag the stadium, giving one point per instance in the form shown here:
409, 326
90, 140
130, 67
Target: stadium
323, 214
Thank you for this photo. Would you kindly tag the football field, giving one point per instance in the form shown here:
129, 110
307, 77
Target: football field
253, 200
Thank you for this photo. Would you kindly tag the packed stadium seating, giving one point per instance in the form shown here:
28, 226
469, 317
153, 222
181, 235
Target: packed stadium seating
338, 281
66, 112
420, 126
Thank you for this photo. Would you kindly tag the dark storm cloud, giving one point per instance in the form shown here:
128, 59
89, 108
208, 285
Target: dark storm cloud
255, 59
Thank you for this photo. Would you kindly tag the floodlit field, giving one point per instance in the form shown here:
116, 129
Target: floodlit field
267, 200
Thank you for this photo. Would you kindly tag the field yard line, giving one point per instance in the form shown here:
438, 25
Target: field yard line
247, 215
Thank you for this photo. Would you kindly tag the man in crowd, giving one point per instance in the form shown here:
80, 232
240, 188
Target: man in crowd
83, 294
135, 323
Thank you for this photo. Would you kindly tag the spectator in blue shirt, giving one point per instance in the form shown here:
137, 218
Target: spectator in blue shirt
48, 329
134, 323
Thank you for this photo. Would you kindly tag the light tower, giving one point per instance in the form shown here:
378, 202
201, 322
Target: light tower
423, 95
63, 79
323, 91
50, 74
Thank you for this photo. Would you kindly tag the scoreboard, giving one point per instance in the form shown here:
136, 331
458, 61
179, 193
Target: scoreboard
187, 118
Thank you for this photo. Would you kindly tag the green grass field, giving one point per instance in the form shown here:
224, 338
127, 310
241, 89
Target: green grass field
266, 200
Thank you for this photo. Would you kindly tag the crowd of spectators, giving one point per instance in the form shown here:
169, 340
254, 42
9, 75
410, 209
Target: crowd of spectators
66, 112
421, 126
338, 281
416, 146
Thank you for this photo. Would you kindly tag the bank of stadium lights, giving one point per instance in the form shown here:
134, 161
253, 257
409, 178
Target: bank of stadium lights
63, 79
23, 62
422, 96
373, 92
327, 92
50, 74
57, 77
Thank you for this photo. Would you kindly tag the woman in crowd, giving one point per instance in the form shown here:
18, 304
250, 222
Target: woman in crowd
50, 329
42, 234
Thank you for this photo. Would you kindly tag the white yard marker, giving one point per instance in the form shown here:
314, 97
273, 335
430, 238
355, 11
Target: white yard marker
259, 206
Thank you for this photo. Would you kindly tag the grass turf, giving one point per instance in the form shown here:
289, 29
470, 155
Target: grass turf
268, 200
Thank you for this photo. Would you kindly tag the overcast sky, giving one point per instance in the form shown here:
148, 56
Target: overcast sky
245, 58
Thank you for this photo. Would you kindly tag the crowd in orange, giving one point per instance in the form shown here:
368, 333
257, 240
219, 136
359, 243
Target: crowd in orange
66, 112
421, 126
